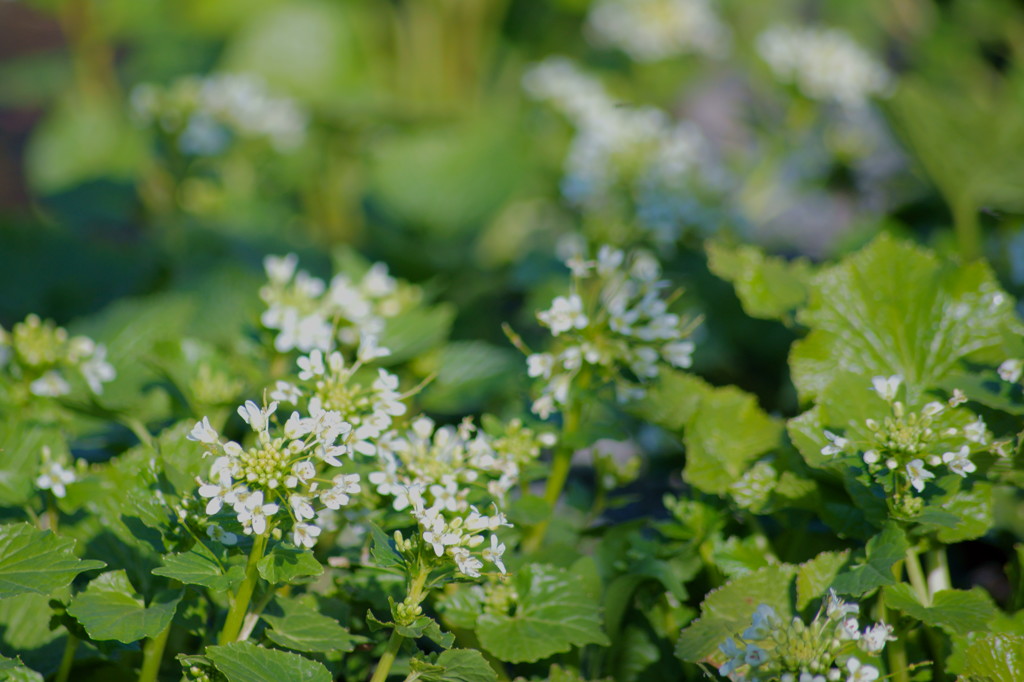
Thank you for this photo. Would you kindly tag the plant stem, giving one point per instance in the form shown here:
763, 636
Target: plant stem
240, 605
560, 466
152, 655
387, 659
67, 660
916, 576
968, 230
938, 570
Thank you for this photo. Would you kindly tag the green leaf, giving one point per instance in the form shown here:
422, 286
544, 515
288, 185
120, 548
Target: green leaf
973, 511
467, 371
460, 665
37, 561
417, 330
21, 446
557, 609
287, 564
245, 662
13, 670
383, 550
110, 609
955, 611
814, 577
893, 308
995, 658
302, 628
197, 567
883, 550
768, 287
724, 428
728, 610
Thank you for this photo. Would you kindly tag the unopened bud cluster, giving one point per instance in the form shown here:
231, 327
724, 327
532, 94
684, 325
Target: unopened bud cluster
614, 327
39, 358
827, 649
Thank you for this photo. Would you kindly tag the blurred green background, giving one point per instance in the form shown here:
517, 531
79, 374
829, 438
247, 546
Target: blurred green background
156, 149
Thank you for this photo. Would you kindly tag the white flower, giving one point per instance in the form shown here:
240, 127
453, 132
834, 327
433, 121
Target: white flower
1011, 370
566, 313
754, 655
836, 608
874, 638
305, 535
97, 371
253, 515
959, 462
871, 456
933, 408
439, 535
54, 478
286, 393
280, 269
369, 350
219, 492
836, 444
918, 474
467, 564
540, 365
860, 672
543, 406
975, 431
203, 432
301, 506
494, 553
765, 620
50, 385
849, 628
256, 417
339, 495
678, 353
887, 387
311, 366
652, 30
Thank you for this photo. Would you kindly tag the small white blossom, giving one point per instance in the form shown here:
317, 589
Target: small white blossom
566, 313
917, 474
765, 620
54, 477
1011, 370
305, 535
50, 385
540, 365
959, 462
203, 432
495, 552
874, 638
836, 444
887, 387
975, 431
859, 672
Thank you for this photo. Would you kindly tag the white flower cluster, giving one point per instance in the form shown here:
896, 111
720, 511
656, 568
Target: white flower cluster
652, 30
615, 322
206, 113
53, 476
771, 649
442, 474
309, 314
283, 471
825, 64
327, 384
660, 166
906, 443
40, 355
1011, 370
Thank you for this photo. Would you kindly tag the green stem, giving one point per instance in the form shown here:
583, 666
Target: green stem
387, 659
67, 660
968, 230
938, 569
560, 466
240, 605
152, 655
916, 576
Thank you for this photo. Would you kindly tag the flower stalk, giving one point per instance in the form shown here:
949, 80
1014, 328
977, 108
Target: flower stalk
240, 604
